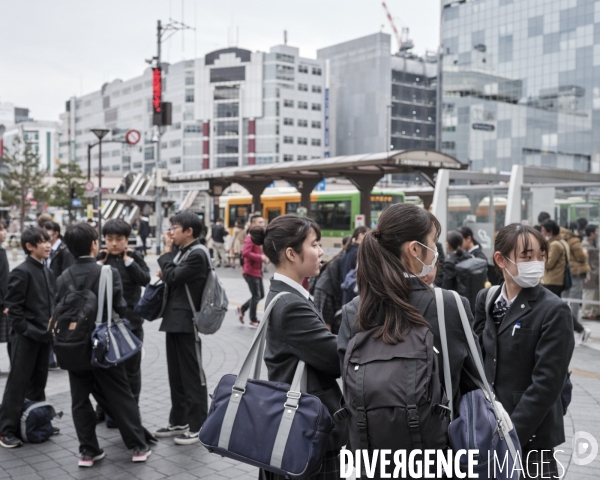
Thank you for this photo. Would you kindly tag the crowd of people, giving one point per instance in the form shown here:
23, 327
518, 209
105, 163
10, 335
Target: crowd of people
377, 289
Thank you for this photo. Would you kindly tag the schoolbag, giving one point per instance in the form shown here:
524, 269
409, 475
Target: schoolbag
151, 304
214, 304
312, 281
36, 421
393, 392
74, 321
349, 290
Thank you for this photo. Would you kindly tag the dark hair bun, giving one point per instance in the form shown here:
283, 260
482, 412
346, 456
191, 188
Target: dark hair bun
258, 235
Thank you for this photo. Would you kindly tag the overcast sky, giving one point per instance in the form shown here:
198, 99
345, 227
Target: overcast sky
51, 50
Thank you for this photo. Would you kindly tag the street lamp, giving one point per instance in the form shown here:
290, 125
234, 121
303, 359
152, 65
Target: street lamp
100, 133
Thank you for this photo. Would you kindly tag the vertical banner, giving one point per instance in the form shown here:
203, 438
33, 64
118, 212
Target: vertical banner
157, 96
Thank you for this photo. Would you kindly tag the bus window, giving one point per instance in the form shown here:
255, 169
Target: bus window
379, 203
238, 212
331, 215
291, 207
272, 214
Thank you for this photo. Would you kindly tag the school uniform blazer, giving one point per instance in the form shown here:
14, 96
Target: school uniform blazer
528, 368
297, 331
422, 297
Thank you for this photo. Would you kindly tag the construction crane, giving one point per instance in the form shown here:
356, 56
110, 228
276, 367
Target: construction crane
405, 44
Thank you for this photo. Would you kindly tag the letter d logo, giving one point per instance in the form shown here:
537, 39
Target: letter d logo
585, 448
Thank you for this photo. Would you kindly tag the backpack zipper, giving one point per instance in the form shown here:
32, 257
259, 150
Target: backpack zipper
471, 431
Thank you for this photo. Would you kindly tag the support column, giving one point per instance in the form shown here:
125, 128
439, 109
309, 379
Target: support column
206, 145
256, 188
365, 183
251, 142
305, 187
216, 190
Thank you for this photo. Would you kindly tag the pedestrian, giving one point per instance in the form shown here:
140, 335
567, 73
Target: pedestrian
4, 270
253, 272
109, 386
592, 281
60, 257
578, 262
297, 330
188, 268
348, 261
134, 274
466, 281
525, 336
394, 259
219, 232
581, 224
543, 217
30, 303
237, 244
470, 245
143, 232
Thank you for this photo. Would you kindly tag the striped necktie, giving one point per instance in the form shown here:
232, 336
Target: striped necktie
499, 311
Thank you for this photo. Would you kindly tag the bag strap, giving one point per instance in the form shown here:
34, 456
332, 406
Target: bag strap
567, 250
103, 286
489, 297
483, 383
69, 280
412, 410
439, 300
361, 412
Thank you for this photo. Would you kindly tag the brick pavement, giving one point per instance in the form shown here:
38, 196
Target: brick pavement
223, 353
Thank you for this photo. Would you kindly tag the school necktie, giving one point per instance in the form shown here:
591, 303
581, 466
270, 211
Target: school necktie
499, 311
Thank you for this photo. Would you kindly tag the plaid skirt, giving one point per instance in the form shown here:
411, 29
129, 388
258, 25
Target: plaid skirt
3, 328
330, 469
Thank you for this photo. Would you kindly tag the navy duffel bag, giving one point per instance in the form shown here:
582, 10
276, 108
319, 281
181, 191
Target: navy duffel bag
270, 425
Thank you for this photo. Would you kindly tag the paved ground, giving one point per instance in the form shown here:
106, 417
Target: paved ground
223, 353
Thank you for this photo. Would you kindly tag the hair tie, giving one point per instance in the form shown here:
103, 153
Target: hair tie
376, 233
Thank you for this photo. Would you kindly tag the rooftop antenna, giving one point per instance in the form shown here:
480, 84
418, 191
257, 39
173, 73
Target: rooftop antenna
285, 37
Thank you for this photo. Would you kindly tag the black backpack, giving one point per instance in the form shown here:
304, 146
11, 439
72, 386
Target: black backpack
74, 321
393, 392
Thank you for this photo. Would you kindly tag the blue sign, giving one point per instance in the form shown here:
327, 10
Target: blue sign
321, 185
76, 202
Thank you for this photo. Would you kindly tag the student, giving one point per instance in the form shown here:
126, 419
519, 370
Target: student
348, 261
4, 269
297, 330
143, 232
237, 244
394, 258
110, 386
526, 339
60, 257
470, 245
134, 274
253, 272
189, 396
543, 217
219, 232
592, 281
30, 303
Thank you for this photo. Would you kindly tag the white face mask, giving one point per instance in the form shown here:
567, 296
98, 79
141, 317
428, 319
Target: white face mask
427, 269
547, 238
530, 273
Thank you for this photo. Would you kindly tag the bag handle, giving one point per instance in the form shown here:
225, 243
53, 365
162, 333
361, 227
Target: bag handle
483, 383
439, 300
105, 290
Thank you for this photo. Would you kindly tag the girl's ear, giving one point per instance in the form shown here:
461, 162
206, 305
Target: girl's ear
500, 260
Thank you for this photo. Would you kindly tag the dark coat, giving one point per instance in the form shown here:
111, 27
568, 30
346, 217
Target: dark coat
61, 260
30, 299
478, 253
193, 271
468, 287
81, 271
297, 331
133, 278
144, 229
348, 261
439, 276
528, 369
423, 299
4, 269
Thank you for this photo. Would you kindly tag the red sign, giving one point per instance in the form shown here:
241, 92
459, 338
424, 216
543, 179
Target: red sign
156, 90
132, 137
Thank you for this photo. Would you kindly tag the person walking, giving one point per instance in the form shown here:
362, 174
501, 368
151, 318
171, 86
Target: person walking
525, 334
4, 271
253, 272
237, 244
144, 231
182, 272
30, 303
297, 330
219, 232
592, 280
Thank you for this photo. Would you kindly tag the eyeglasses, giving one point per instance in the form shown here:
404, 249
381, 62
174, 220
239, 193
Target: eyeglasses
170, 229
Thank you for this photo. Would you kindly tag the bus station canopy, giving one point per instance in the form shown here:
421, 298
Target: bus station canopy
364, 171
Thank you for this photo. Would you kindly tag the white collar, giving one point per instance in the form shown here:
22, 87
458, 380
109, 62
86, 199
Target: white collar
504, 296
474, 248
292, 283
56, 244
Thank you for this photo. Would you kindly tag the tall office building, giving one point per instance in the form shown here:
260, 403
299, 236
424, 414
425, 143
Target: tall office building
518, 83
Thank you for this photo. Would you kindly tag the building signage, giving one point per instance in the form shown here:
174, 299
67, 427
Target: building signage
484, 127
156, 90
326, 140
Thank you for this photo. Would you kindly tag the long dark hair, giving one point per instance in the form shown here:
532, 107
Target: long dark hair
467, 232
507, 240
380, 273
355, 234
285, 231
455, 240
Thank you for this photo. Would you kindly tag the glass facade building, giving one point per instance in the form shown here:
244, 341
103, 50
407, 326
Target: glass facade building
518, 83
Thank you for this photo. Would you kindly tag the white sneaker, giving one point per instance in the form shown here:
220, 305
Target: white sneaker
187, 438
585, 335
171, 431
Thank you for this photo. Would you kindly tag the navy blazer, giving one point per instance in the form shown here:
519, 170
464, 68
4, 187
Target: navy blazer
528, 365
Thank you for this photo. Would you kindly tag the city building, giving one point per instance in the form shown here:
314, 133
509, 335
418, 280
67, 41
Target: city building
380, 101
42, 135
518, 83
231, 107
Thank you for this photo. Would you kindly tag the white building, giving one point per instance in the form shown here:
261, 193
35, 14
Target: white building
43, 137
231, 107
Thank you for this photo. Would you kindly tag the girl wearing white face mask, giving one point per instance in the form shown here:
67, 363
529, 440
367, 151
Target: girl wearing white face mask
526, 338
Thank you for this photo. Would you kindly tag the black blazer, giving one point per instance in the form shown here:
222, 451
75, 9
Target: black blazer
30, 299
193, 271
61, 260
297, 331
528, 369
81, 271
4, 270
423, 298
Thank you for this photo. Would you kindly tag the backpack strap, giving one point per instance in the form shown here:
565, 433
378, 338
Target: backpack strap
361, 414
69, 280
489, 297
412, 410
439, 300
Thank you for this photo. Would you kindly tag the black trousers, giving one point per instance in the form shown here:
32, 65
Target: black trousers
257, 290
189, 398
110, 388
27, 379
